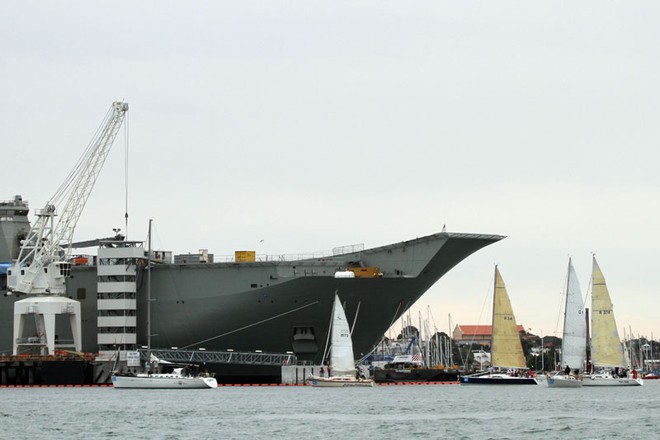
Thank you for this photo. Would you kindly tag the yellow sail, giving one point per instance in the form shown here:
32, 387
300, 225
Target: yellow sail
606, 347
506, 349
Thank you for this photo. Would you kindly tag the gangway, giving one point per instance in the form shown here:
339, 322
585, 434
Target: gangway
221, 357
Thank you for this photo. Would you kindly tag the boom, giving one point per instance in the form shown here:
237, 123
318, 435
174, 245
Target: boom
42, 266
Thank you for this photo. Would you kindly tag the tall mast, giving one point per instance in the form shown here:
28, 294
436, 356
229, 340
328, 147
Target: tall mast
492, 322
450, 334
149, 296
587, 367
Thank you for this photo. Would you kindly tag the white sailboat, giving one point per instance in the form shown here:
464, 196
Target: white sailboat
341, 370
574, 338
611, 368
178, 378
507, 361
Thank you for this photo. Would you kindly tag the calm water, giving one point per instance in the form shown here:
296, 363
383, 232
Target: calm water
424, 411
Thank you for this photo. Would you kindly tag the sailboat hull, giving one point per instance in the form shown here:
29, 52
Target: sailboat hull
339, 382
563, 381
163, 381
497, 379
394, 375
598, 380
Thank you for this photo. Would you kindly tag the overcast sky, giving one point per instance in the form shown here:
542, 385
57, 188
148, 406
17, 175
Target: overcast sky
310, 125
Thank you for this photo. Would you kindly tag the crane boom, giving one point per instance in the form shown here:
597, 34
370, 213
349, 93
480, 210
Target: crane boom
41, 267
410, 344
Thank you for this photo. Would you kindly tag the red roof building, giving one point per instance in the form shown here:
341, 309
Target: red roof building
475, 334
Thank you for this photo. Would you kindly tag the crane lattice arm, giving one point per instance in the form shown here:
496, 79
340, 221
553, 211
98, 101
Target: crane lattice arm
41, 267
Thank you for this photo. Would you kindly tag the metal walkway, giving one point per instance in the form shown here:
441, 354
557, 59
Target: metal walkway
221, 357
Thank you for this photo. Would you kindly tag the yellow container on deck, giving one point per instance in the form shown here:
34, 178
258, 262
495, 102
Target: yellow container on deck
245, 256
366, 272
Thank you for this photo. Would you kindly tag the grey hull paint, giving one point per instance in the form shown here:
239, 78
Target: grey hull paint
257, 306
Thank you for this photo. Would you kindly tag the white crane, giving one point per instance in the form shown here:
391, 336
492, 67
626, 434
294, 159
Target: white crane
42, 265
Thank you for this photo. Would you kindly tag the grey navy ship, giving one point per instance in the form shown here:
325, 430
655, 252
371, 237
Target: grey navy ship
259, 304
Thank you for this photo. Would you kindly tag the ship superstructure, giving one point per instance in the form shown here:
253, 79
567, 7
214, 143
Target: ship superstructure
14, 227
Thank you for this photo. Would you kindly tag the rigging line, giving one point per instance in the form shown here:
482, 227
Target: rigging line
405, 320
158, 244
251, 325
64, 187
491, 291
126, 176
327, 337
435, 326
355, 319
562, 302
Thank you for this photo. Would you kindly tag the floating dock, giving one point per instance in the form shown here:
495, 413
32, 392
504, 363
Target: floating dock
25, 370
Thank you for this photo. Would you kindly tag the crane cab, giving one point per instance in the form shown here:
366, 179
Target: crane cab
49, 280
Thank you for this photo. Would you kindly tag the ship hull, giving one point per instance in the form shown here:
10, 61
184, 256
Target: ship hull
274, 306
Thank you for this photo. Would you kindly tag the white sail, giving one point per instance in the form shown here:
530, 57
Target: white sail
606, 347
574, 341
341, 348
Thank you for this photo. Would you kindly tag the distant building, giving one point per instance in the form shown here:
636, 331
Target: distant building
474, 334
